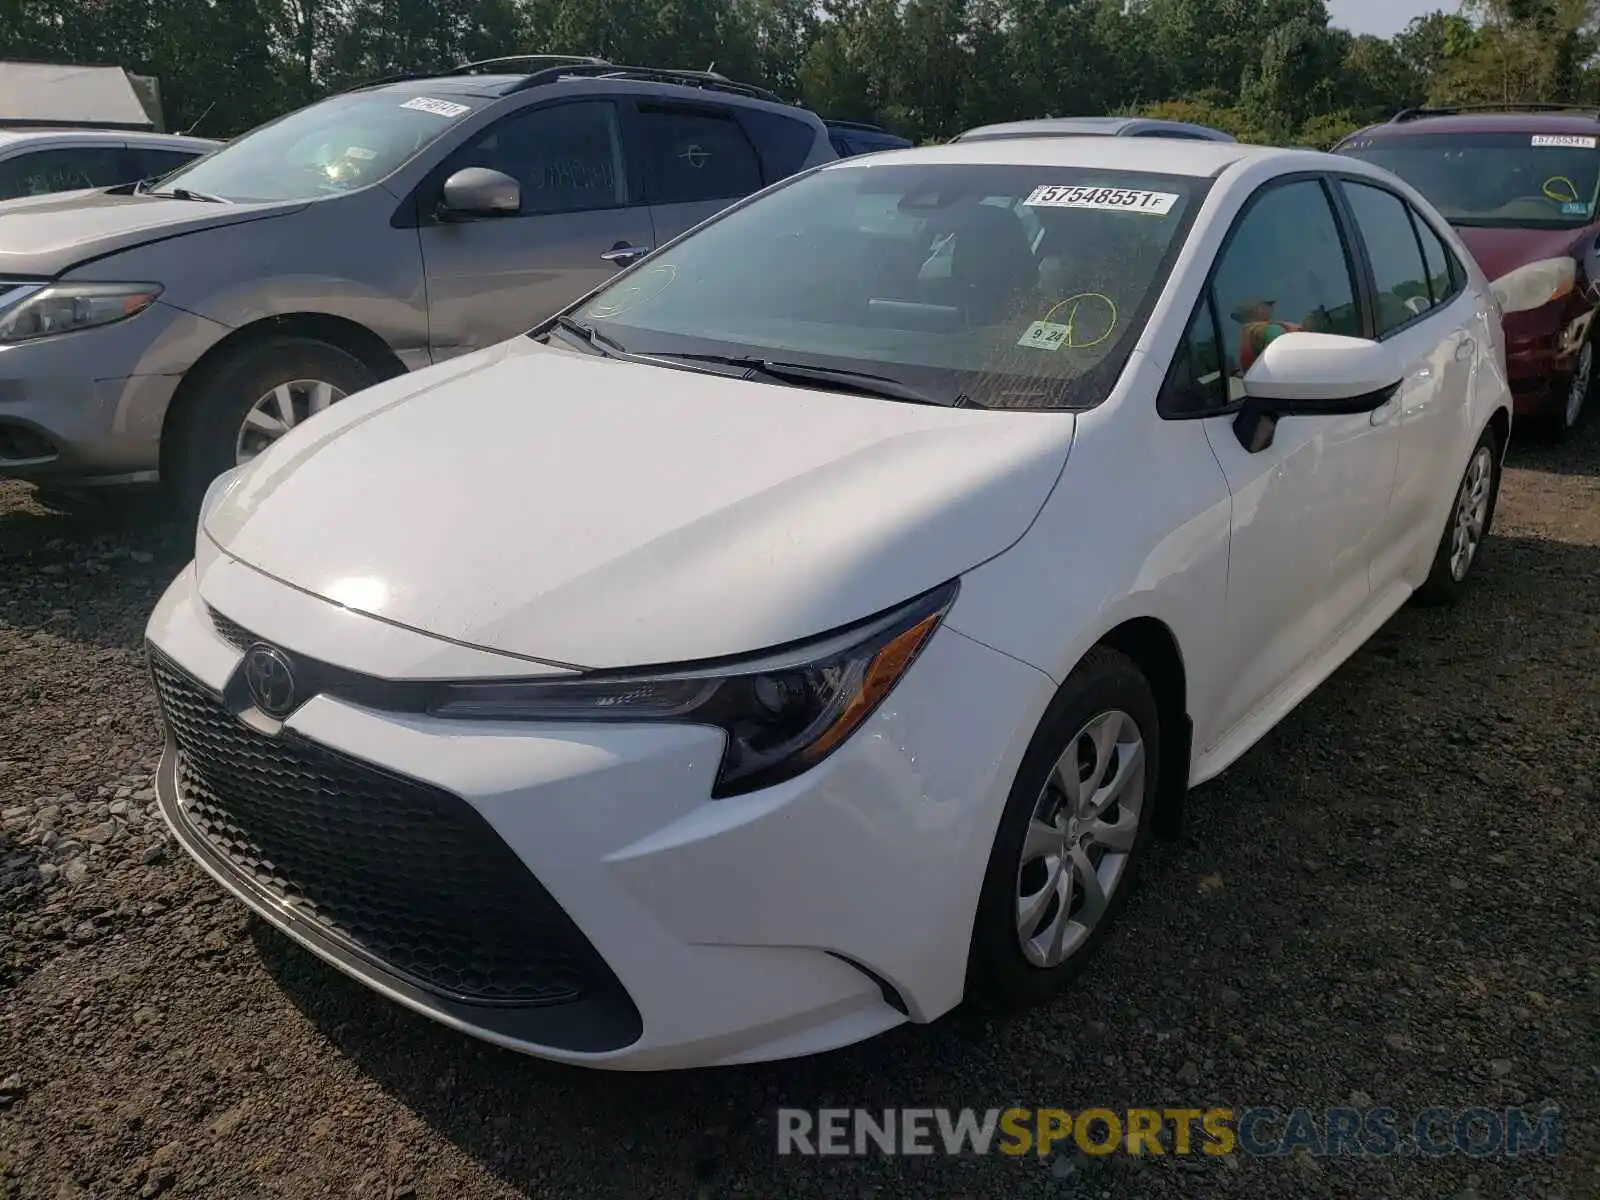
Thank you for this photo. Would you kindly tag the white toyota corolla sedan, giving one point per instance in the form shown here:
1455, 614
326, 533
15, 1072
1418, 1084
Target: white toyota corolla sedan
812, 627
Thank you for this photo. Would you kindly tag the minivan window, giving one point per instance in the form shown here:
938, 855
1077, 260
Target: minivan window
335, 146
924, 274
1495, 180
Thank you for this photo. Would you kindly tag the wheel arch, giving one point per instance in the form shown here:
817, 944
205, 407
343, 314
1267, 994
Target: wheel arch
1154, 649
1500, 426
350, 336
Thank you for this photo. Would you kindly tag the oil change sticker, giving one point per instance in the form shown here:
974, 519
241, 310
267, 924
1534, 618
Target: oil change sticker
1110, 199
1044, 335
1569, 141
439, 108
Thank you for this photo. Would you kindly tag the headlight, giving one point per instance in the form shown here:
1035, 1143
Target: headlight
782, 714
1533, 285
65, 307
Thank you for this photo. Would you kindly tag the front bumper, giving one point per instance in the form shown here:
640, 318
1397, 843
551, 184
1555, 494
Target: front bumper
1541, 355
86, 409
786, 922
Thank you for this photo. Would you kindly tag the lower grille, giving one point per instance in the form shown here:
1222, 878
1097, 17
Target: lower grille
401, 873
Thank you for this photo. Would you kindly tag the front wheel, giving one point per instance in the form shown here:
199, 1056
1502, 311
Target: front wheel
1579, 390
1075, 826
1471, 515
251, 399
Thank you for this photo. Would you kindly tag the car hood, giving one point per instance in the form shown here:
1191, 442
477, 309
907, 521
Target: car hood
43, 236
1501, 250
597, 513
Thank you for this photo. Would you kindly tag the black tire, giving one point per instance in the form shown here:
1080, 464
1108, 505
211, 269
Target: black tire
999, 973
206, 438
1443, 585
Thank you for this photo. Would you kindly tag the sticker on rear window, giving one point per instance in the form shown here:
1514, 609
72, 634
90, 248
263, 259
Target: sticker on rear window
439, 108
1570, 141
1111, 199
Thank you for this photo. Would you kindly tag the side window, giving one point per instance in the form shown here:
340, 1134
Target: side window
1445, 277
696, 154
1397, 267
783, 143
840, 146
151, 164
1284, 269
567, 157
64, 170
1193, 385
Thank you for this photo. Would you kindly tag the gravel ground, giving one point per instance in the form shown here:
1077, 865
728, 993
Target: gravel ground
1391, 900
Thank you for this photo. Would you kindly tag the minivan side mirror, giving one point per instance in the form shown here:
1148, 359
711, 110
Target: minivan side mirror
1314, 374
480, 192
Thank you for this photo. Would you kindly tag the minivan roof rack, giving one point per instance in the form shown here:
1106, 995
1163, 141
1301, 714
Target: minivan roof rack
861, 125
600, 69
1413, 114
539, 69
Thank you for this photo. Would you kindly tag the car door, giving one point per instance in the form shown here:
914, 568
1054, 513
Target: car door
61, 168
490, 278
1422, 309
1307, 505
697, 160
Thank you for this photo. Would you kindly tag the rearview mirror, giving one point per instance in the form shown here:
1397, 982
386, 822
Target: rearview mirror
1534, 284
481, 192
1314, 374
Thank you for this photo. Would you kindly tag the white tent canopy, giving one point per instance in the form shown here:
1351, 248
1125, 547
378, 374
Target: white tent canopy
53, 94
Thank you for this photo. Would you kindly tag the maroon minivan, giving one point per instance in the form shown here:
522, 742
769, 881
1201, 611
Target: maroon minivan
1519, 186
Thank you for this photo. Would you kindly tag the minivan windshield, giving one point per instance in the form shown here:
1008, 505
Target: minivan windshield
1495, 180
995, 286
334, 146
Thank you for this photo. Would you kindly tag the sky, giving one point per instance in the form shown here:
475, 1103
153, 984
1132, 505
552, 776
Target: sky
1382, 17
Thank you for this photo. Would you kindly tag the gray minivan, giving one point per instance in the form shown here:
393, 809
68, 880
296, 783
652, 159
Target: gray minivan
166, 331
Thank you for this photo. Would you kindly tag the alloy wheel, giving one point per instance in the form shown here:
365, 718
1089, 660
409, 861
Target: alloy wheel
279, 411
1578, 387
1472, 513
1080, 838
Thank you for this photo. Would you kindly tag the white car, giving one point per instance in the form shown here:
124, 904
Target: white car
810, 628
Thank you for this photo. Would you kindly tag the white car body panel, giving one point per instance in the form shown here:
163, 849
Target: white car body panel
520, 510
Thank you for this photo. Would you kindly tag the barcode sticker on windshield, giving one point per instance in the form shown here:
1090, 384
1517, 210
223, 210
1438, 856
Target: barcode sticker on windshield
1065, 195
1570, 141
439, 108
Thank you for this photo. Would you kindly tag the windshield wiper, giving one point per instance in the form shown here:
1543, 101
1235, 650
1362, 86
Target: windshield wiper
839, 378
179, 193
589, 335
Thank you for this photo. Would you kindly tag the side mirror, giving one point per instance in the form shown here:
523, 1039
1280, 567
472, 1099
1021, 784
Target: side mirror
1314, 374
481, 192
1591, 270
1535, 284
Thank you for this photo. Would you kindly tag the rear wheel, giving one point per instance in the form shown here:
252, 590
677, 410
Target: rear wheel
1075, 827
252, 398
1471, 516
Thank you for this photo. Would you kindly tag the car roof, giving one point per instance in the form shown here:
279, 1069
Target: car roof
1101, 126
1421, 121
1168, 156
599, 76
175, 141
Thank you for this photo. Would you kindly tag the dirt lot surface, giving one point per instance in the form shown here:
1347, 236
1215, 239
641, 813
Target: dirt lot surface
1395, 899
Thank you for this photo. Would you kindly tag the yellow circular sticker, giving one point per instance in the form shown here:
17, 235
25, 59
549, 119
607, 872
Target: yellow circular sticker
1561, 190
1088, 319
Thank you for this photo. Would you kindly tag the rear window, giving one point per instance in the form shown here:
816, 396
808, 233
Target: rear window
1016, 286
782, 143
1504, 180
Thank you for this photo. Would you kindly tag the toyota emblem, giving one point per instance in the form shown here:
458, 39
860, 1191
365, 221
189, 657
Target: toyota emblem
270, 678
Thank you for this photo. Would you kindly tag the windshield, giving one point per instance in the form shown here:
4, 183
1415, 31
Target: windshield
335, 146
1506, 180
1001, 286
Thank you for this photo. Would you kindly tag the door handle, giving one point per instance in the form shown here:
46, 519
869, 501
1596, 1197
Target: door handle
1465, 349
623, 254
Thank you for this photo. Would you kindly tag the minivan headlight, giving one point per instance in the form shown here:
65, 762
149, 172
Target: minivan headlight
782, 713
66, 307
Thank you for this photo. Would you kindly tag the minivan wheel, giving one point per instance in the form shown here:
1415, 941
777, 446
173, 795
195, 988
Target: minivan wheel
1076, 824
1580, 388
251, 399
